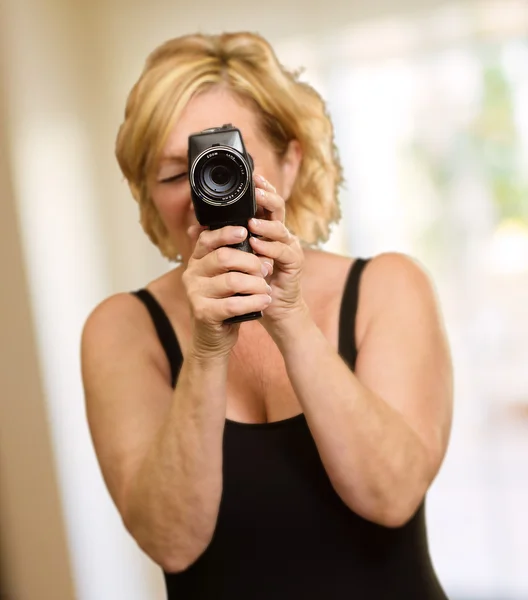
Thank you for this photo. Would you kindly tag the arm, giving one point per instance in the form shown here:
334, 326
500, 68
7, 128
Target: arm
160, 450
382, 431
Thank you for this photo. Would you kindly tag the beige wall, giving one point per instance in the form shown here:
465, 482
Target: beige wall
33, 550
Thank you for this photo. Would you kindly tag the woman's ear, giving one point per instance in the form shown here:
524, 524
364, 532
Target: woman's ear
290, 164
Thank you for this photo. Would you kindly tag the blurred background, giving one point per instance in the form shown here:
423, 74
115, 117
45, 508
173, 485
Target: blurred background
430, 105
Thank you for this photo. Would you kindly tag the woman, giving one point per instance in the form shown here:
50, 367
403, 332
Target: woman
285, 457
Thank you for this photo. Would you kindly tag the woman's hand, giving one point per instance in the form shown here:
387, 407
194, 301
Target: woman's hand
283, 250
213, 276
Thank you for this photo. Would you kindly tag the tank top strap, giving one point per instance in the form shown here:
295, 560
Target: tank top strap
347, 321
347, 316
165, 331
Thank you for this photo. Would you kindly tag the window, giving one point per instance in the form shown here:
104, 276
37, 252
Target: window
431, 118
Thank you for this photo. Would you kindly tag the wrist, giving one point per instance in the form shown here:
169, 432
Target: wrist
212, 345
286, 330
207, 356
205, 359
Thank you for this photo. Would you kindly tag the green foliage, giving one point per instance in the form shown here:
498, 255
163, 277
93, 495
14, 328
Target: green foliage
496, 145
488, 145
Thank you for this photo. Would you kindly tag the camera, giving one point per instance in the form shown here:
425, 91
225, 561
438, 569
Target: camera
222, 189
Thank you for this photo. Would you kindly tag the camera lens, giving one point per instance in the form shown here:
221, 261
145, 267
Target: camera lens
219, 175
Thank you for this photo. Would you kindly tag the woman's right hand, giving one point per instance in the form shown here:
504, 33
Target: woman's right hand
213, 276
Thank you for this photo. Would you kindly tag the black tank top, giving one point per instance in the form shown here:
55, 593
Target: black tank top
282, 531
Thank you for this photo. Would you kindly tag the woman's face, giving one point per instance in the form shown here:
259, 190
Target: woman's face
170, 189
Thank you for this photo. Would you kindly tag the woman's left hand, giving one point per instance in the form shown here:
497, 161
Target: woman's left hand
284, 251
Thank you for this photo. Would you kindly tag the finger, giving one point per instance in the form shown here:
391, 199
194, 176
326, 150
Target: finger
208, 240
267, 263
271, 202
271, 230
229, 284
260, 181
281, 253
223, 260
262, 213
268, 201
218, 310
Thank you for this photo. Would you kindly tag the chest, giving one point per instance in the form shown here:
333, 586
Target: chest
258, 387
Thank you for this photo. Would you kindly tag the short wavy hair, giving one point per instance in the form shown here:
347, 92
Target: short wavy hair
286, 109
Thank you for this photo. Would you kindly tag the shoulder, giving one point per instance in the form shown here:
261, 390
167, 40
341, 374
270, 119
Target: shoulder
398, 301
393, 272
393, 277
125, 314
118, 327
393, 288
118, 313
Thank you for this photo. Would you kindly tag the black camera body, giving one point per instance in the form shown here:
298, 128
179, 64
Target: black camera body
222, 188
221, 177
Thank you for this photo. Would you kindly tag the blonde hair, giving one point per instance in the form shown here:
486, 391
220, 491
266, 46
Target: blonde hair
287, 109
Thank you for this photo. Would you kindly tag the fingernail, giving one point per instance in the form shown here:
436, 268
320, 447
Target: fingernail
269, 289
261, 192
264, 269
241, 233
255, 222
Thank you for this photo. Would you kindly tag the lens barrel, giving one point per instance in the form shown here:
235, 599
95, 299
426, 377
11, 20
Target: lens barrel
220, 176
